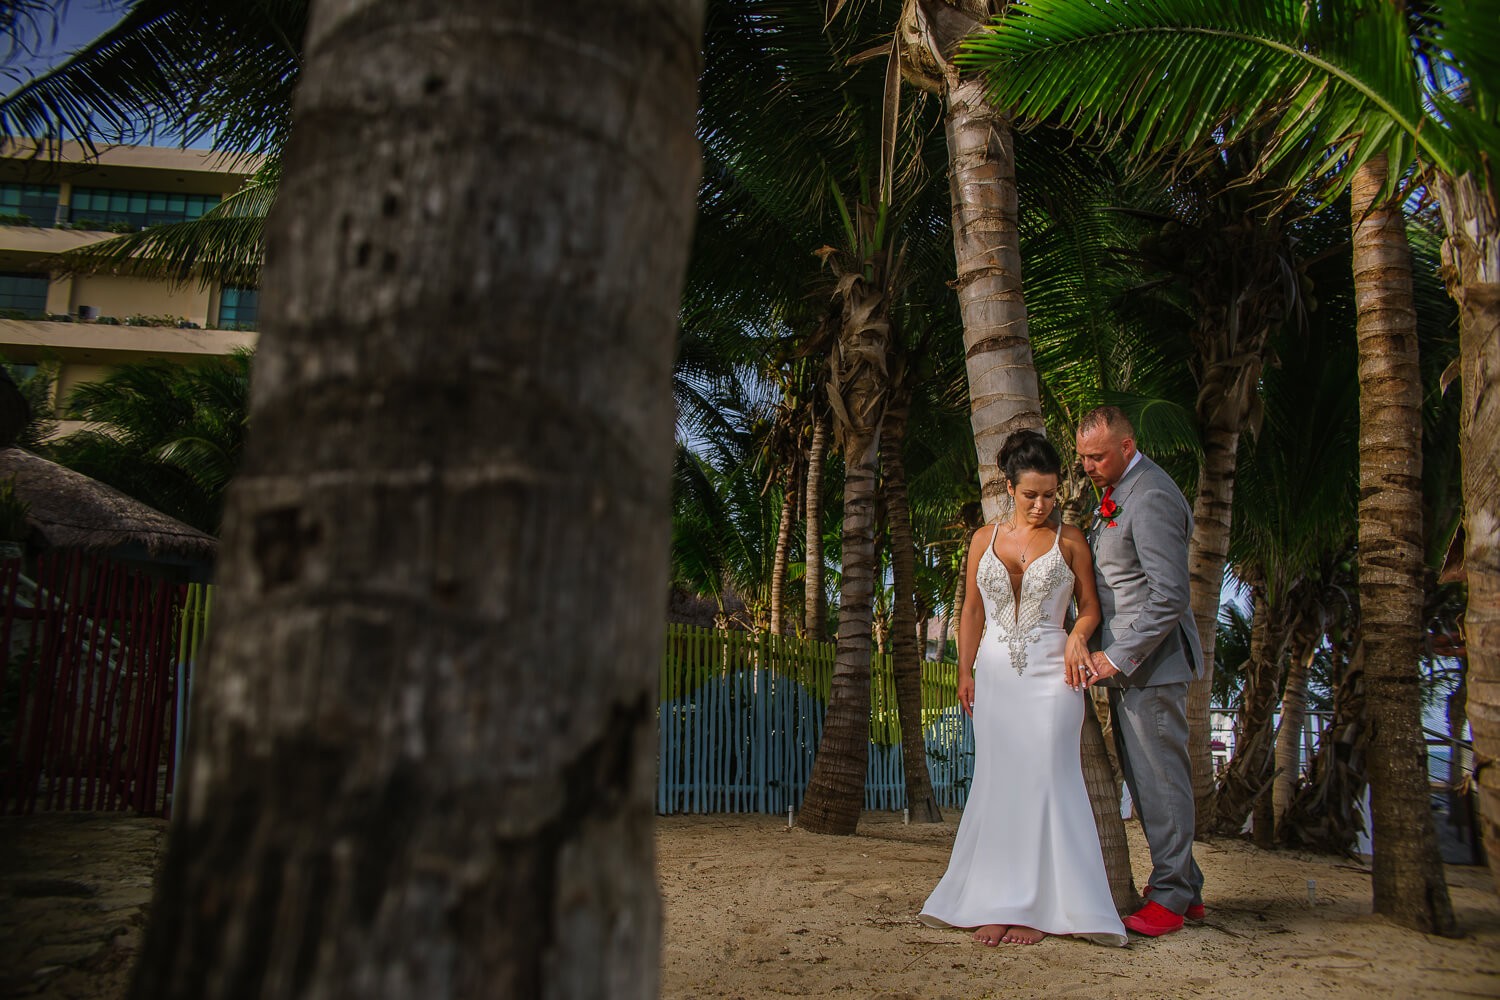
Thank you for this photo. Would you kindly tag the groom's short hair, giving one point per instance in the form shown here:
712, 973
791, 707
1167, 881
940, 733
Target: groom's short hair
1111, 418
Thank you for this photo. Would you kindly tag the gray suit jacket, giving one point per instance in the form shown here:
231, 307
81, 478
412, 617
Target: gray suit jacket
1141, 566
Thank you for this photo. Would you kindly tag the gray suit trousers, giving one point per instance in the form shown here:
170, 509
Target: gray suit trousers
1151, 730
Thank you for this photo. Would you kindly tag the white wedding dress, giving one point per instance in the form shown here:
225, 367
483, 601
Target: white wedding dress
1027, 851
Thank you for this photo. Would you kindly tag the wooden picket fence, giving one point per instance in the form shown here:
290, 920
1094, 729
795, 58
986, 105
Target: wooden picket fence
89, 711
741, 715
94, 702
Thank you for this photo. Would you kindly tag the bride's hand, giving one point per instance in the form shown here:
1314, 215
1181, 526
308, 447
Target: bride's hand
1075, 658
966, 693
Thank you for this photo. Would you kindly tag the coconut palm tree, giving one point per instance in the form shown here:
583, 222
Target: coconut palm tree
771, 64
1340, 88
388, 750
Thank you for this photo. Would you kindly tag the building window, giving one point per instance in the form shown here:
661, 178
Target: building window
238, 308
98, 208
23, 296
28, 204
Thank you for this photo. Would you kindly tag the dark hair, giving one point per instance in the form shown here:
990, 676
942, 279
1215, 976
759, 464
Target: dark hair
1028, 451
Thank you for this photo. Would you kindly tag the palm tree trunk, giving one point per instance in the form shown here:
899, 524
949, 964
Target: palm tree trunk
1457, 762
1207, 553
1289, 733
783, 544
398, 786
859, 390
959, 589
940, 640
906, 657
1325, 812
1471, 259
836, 789
1103, 784
1247, 777
1408, 873
815, 606
1004, 395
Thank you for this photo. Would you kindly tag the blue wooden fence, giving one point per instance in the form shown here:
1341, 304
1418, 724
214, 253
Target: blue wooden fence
741, 715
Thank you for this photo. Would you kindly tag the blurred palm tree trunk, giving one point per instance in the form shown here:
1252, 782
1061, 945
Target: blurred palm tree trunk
422, 754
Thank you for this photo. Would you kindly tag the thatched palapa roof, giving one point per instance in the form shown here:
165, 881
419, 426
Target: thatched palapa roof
69, 510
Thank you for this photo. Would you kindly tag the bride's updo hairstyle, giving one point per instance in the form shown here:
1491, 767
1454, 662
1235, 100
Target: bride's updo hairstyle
1028, 451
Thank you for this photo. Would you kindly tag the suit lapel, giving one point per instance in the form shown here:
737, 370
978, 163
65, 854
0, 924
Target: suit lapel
1128, 482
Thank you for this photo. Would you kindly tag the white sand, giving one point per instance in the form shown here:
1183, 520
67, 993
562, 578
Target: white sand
756, 910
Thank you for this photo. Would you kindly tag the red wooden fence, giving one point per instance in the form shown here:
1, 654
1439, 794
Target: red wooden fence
87, 694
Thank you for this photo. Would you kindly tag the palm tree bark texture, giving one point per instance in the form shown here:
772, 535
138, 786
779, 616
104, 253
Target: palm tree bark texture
1289, 733
858, 391
1408, 877
815, 608
1004, 395
906, 654
1471, 266
1248, 775
422, 756
783, 546
1325, 814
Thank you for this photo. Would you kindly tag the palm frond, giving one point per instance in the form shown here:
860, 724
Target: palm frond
1329, 85
225, 245
219, 69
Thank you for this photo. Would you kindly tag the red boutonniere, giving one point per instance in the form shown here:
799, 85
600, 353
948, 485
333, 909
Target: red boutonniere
1108, 510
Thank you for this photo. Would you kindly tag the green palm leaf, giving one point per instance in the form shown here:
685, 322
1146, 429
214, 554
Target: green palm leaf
1327, 86
223, 69
226, 244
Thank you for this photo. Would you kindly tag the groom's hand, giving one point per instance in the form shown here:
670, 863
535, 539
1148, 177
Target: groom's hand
1098, 668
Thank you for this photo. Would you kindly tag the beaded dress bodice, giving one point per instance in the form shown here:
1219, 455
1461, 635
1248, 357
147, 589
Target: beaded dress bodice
1046, 589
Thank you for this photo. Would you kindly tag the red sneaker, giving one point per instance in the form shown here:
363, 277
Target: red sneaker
1153, 920
1195, 911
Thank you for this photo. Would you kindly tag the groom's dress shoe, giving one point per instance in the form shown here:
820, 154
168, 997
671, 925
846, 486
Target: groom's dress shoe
1195, 911
1153, 920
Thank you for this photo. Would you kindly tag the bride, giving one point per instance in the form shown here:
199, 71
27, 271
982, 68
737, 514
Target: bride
1026, 861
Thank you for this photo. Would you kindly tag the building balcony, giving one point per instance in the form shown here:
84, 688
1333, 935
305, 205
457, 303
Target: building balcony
32, 341
36, 240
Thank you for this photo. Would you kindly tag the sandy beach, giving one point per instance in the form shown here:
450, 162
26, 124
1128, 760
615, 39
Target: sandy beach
753, 909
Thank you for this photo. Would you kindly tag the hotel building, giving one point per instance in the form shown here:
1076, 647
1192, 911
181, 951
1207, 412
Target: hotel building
61, 198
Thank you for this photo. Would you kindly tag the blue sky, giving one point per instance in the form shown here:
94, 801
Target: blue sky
78, 22
81, 21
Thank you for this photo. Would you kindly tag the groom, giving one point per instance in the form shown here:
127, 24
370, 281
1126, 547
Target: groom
1149, 652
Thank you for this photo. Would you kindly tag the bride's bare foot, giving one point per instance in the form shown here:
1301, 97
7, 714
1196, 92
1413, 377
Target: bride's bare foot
1020, 934
990, 934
